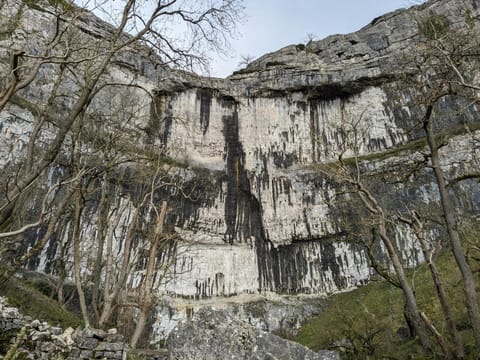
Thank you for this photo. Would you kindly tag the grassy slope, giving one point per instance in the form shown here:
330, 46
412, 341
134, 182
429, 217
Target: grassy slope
370, 316
32, 302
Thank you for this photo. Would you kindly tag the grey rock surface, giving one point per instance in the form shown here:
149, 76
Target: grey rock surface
213, 334
329, 354
262, 218
39, 340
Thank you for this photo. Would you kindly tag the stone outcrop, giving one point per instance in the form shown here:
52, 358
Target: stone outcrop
214, 335
281, 315
34, 339
261, 215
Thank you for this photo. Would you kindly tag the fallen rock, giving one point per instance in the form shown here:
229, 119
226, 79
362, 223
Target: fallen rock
212, 334
329, 354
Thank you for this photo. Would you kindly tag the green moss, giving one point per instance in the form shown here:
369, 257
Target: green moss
56, 3
31, 302
274, 63
415, 145
5, 35
363, 313
247, 70
433, 26
5, 338
256, 308
469, 18
65, 5
33, 4
300, 47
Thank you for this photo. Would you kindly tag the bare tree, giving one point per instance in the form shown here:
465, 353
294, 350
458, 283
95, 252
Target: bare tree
52, 226
245, 60
446, 67
309, 39
349, 171
428, 250
443, 68
206, 26
146, 300
352, 177
114, 251
76, 126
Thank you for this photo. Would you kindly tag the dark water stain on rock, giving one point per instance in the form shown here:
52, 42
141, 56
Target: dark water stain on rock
205, 97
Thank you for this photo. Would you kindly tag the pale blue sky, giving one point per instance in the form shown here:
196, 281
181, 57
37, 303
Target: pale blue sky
273, 24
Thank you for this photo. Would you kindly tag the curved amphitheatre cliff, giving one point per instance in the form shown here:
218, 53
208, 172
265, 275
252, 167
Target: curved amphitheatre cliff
261, 217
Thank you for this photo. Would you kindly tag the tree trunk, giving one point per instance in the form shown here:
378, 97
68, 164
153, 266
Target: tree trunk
410, 300
448, 214
440, 339
108, 284
40, 244
103, 209
76, 262
146, 298
441, 294
140, 326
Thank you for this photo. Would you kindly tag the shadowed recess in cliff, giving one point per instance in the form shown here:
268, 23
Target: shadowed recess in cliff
315, 87
314, 129
161, 119
198, 192
205, 98
240, 218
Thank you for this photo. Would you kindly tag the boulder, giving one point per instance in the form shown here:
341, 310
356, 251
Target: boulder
213, 334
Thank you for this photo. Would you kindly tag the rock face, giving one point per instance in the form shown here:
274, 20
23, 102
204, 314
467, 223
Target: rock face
281, 315
214, 335
262, 216
271, 217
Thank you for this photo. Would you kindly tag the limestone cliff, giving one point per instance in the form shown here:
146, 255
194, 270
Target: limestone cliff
261, 216
272, 211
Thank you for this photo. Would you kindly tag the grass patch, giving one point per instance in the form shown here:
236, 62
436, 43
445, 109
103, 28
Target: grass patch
300, 47
37, 5
361, 317
369, 321
274, 63
33, 4
33, 303
247, 70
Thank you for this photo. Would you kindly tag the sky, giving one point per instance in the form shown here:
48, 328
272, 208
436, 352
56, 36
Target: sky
273, 24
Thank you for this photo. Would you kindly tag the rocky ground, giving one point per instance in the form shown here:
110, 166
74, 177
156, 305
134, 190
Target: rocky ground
27, 338
215, 335
211, 334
